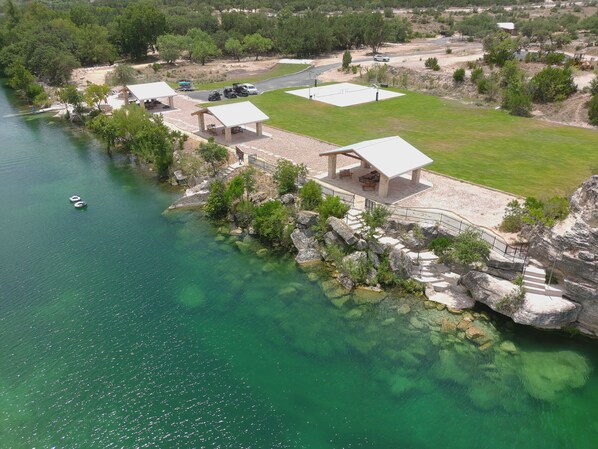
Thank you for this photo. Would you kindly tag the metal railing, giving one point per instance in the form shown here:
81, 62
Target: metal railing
454, 225
260, 163
347, 198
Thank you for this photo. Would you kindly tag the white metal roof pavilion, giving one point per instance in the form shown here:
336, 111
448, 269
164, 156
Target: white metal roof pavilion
390, 156
150, 91
233, 115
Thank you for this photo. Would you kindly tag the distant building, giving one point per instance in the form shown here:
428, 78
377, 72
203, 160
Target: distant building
507, 27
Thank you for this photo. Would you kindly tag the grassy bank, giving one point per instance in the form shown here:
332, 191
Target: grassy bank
518, 155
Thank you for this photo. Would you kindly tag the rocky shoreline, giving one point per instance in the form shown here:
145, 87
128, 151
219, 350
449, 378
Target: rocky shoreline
497, 283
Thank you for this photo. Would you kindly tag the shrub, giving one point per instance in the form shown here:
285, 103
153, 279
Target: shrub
449, 51
412, 287
214, 155
552, 84
539, 213
440, 245
235, 189
311, 195
386, 277
513, 301
477, 74
287, 175
594, 86
593, 110
554, 58
346, 59
271, 221
375, 218
517, 100
459, 75
513, 219
468, 247
332, 206
217, 205
432, 63
244, 213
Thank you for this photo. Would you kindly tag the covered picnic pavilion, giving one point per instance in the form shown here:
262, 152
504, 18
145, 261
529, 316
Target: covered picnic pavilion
233, 117
148, 93
390, 157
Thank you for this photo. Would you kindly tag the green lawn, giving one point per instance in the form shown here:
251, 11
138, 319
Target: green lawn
276, 71
522, 156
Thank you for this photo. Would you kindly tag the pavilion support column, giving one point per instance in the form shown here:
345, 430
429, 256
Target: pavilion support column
227, 134
171, 102
126, 96
202, 122
142, 104
332, 166
258, 129
383, 186
365, 164
415, 175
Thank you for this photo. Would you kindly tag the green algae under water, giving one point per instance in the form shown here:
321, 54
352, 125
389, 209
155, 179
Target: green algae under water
124, 327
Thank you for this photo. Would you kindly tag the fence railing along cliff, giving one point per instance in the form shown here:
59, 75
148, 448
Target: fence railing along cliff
454, 225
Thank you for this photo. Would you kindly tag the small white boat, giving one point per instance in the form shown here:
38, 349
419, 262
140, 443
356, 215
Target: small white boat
75, 199
80, 204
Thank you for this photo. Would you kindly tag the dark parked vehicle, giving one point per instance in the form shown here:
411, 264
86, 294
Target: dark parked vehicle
241, 90
229, 92
214, 96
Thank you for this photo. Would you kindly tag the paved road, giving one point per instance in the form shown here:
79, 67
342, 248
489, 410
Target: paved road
307, 77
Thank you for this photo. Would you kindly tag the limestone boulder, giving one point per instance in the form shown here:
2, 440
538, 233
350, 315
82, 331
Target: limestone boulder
331, 238
400, 263
308, 255
301, 240
535, 310
343, 230
287, 198
307, 218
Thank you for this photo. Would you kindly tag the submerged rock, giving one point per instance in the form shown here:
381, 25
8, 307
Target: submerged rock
546, 374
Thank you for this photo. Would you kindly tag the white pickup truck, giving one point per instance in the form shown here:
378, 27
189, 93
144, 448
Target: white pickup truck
381, 58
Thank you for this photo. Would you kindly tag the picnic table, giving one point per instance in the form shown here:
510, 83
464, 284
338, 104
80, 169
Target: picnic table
370, 177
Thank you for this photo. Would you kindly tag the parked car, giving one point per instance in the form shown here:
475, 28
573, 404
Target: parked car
214, 96
381, 58
245, 89
240, 90
229, 92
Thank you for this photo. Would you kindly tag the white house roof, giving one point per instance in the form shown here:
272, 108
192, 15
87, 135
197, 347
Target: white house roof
391, 156
506, 25
149, 91
236, 114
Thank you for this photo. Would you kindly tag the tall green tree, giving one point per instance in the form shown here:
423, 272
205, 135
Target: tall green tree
257, 44
234, 47
95, 94
138, 27
170, 47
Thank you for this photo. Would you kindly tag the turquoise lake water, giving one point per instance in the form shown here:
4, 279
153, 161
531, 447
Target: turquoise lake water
122, 326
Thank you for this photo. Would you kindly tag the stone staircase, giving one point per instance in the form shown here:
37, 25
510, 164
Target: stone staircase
354, 220
228, 170
534, 279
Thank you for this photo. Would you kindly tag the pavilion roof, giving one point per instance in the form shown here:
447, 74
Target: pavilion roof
391, 156
149, 91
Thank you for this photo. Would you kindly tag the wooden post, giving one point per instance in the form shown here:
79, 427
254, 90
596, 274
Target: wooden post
332, 166
227, 134
258, 129
383, 186
126, 96
415, 175
171, 102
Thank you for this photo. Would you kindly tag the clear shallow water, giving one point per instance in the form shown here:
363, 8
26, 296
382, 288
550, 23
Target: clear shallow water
121, 326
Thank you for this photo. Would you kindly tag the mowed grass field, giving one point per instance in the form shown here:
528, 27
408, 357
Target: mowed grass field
523, 156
